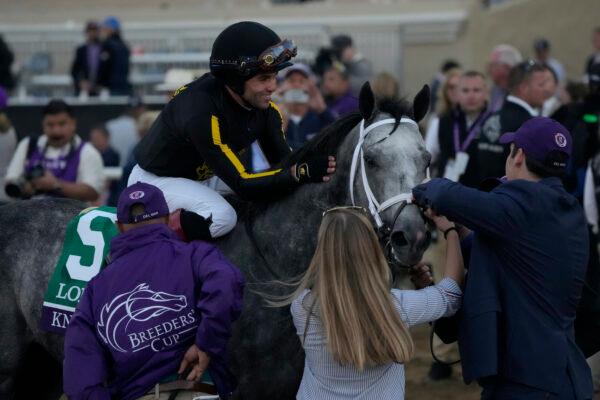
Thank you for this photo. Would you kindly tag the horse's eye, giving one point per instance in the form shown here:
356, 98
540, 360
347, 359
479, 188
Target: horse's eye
427, 159
370, 161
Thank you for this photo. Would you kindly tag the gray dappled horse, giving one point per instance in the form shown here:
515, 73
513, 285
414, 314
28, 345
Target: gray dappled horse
271, 241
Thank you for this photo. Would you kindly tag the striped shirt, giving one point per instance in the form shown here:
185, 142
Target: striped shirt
326, 379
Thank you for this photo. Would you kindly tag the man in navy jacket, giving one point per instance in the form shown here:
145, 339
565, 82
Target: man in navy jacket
528, 258
161, 306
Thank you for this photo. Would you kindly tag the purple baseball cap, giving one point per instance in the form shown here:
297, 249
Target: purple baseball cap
544, 140
298, 67
149, 196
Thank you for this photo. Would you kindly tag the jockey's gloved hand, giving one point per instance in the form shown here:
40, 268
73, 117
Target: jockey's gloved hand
312, 168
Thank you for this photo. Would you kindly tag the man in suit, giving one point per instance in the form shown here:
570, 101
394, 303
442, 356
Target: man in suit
527, 256
528, 85
84, 69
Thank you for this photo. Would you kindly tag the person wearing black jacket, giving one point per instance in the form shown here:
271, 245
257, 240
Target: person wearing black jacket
529, 89
86, 63
459, 129
210, 122
114, 59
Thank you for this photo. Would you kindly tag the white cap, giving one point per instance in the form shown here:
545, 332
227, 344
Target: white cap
174, 79
506, 54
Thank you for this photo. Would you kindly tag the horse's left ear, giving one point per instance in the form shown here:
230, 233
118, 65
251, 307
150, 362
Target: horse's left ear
366, 101
421, 103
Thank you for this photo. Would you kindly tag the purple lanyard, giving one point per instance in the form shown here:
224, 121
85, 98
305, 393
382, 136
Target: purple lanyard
471, 134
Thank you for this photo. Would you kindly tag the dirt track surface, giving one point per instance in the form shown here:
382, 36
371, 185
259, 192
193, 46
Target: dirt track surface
419, 386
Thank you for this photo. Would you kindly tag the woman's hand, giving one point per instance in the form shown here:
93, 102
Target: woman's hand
420, 275
441, 222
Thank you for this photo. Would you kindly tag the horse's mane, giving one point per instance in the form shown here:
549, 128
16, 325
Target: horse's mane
327, 142
330, 138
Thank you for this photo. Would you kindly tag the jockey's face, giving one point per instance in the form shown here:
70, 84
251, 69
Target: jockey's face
59, 128
472, 94
258, 90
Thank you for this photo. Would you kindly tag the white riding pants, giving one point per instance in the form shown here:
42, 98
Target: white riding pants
203, 198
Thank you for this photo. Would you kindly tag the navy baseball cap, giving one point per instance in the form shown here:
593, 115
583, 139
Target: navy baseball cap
544, 140
149, 196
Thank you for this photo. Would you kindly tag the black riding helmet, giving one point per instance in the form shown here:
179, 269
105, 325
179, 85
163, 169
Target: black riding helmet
245, 49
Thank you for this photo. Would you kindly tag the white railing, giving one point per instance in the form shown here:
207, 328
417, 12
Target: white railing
158, 46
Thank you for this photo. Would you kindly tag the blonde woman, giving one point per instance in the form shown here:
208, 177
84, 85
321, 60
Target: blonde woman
352, 324
448, 95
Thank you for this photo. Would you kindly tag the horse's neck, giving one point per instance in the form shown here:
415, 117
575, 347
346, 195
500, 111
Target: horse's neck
289, 227
309, 201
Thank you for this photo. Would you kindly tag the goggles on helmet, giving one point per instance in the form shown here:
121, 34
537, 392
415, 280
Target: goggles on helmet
267, 60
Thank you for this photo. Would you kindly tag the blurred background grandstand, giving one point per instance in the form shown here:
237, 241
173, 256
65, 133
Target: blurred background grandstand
408, 38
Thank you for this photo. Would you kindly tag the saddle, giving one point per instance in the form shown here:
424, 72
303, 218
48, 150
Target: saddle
200, 390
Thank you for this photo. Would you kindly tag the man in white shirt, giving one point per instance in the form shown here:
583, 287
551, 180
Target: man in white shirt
8, 140
59, 163
529, 89
123, 129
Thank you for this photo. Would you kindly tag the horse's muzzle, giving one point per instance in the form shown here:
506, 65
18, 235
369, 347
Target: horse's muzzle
410, 236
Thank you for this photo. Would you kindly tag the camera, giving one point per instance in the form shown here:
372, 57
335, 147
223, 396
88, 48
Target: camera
15, 189
295, 96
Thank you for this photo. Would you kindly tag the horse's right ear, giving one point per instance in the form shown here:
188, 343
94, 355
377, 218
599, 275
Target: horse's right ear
421, 103
366, 101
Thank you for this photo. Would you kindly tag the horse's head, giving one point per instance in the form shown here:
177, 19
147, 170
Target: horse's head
394, 161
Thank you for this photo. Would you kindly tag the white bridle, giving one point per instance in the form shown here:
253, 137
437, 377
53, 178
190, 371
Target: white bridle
375, 208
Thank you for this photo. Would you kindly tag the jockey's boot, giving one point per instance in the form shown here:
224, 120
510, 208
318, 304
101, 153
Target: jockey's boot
195, 226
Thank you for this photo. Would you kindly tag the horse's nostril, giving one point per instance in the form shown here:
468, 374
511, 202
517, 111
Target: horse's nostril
398, 239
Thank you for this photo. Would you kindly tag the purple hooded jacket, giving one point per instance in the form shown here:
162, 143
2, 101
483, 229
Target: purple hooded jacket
137, 318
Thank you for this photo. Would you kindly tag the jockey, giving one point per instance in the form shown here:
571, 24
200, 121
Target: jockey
160, 307
210, 122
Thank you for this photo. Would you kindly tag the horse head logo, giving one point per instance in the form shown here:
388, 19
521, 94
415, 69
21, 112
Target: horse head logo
140, 304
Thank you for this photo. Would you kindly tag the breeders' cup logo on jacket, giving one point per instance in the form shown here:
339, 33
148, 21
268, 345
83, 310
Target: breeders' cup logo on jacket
143, 318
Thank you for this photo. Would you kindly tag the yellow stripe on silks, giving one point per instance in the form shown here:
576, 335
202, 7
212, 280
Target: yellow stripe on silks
280, 116
216, 136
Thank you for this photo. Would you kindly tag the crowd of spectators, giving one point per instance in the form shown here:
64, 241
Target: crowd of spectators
470, 110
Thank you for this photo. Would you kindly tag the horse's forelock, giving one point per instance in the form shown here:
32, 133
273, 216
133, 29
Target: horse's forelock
397, 109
